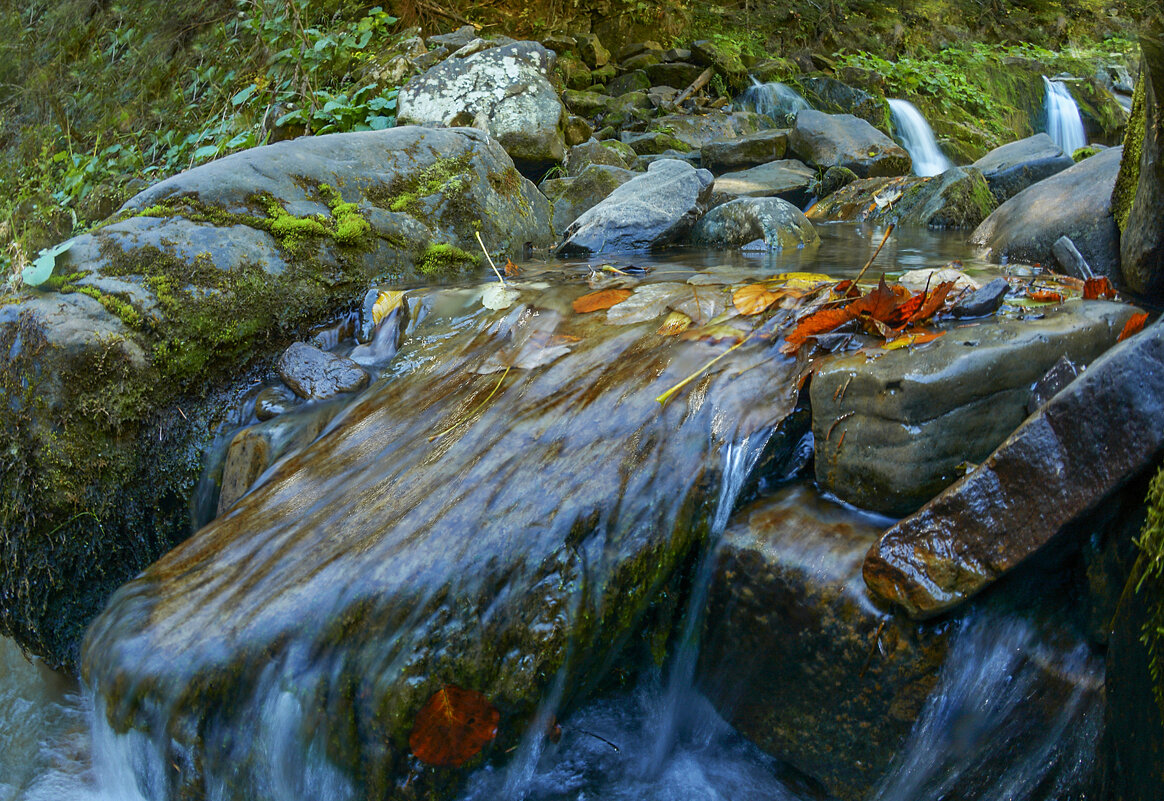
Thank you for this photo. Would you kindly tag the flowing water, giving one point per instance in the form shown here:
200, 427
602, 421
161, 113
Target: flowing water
660, 739
918, 138
774, 99
1064, 124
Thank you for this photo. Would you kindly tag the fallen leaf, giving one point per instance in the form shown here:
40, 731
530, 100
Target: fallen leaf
935, 301
498, 296
909, 340
1045, 296
648, 302
510, 268
386, 303
1096, 288
602, 299
702, 303
675, 323
819, 322
714, 333
916, 280
1133, 326
801, 281
879, 304
453, 726
753, 299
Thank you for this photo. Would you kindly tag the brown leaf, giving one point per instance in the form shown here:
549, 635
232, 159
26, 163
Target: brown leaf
753, 299
819, 322
510, 268
878, 304
1133, 326
602, 299
1045, 296
453, 726
1096, 288
935, 301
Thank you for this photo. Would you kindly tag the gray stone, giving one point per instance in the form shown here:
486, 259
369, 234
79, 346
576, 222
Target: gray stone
674, 74
506, 88
834, 97
652, 142
643, 162
455, 40
842, 140
592, 151
736, 223
633, 81
1062, 373
274, 401
958, 198
1100, 431
1075, 203
587, 104
1070, 259
652, 210
696, 130
788, 179
576, 131
640, 62
591, 49
317, 375
747, 151
631, 49
571, 197
984, 300
897, 433
677, 54
1013, 167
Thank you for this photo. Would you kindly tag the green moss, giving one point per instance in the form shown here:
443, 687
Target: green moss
1082, 153
114, 305
442, 259
1129, 177
1151, 583
445, 175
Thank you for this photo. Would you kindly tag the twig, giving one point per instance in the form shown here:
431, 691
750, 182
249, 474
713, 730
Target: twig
490, 259
872, 648
478, 408
617, 750
837, 422
869, 263
666, 396
695, 86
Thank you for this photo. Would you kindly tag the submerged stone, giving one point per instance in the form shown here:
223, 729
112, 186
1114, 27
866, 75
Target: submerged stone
739, 222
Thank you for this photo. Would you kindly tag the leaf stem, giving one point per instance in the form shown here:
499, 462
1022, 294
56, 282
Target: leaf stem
666, 396
489, 258
478, 408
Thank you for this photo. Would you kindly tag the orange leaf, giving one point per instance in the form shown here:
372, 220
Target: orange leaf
819, 322
1133, 326
511, 268
753, 299
935, 301
902, 314
878, 304
909, 340
1045, 296
1095, 288
453, 726
602, 299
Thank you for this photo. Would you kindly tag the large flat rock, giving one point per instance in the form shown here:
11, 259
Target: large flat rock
1100, 431
891, 432
787, 179
842, 140
1013, 167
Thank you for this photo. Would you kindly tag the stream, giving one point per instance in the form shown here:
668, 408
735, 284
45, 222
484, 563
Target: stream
655, 737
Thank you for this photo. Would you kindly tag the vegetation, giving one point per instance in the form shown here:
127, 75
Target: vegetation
1151, 544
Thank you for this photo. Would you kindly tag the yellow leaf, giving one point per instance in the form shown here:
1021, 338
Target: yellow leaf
909, 340
801, 281
753, 299
675, 323
385, 304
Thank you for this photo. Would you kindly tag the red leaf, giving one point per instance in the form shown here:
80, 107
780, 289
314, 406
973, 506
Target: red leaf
511, 269
1133, 326
1045, 296
453, 726
934, 302
1096, 288
602, 299
878, 304
819, 322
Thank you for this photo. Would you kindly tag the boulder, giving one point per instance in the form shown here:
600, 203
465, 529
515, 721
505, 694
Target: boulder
160, 309
675, 74
834, 97
1016, 165
504, 90
1142, 237
777, 223
591, 49
576, 131
788, 179
958, 198
585, 104
789, 623
842, 140
746, 151
697, 130
906, 422
571, 197
315, 374
655, 209
707, 53
1057, 465
652, 143
633, 81
612, 153
1075, 203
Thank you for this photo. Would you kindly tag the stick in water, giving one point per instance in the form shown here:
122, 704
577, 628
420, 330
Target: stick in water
869, 263
490, 258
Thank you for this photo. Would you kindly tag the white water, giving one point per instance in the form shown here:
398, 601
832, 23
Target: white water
918, 138
772, 99
1064, 124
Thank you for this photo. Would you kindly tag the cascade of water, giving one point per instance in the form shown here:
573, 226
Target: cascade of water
773, 99
918, 138
1064, 124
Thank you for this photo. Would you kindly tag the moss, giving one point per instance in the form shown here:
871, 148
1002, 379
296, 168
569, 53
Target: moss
1151, 583
114, 305
445, 175
442, 259
1129, 177
1082, 153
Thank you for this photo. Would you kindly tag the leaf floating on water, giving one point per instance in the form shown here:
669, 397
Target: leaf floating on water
602, 299
676, 323
453, 726
753, 299
1096, 288
702, 303
498, 296
1045, 296
714, 333
386, 303
647, 303
1133, 326
909, 340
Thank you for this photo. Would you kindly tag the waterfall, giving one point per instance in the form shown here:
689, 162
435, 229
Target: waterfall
773, 99
1064, 124
918, 138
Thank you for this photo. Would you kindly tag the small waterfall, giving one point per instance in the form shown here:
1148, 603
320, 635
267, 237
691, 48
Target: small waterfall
918, 138
773, 99
1064, 124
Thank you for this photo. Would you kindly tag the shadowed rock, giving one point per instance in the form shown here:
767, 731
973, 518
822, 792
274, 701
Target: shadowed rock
1013, 167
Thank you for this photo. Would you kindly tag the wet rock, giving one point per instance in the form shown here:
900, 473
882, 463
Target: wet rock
958, 198
571, 197
249, 455
891, 433
317, 375
747, 151
776, 222
1059, 464
581, 156
834, 97
677, 75
787, 179
834, 179
842, 140
507, 88
1142, 239
1070, 259
792, 643
591, 49
274, 401
983, 301
1016, 165
652, 210
1075, 203
576, 131
1062, 373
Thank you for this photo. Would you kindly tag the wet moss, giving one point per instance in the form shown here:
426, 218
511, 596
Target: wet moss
1124, 192
441, 259
114, 305
445, 175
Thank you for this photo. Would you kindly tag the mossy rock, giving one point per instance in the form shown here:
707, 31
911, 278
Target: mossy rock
123, 363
